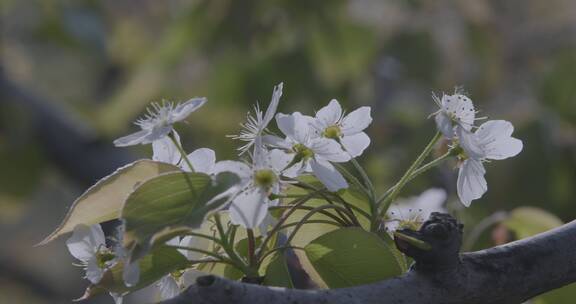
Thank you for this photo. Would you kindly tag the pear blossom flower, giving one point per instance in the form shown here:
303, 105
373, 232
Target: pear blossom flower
255, 125
311, 153
158, 122
413, 211
202, 160
491, 141
330, 122
88, 245
171, 285
456, 110
260, 179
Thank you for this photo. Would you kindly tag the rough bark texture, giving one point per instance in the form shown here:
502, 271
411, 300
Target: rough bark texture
506, 274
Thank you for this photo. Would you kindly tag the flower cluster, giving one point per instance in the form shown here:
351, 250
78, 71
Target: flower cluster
273, 161
490, 141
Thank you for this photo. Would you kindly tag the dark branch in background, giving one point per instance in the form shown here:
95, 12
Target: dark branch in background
70, 144
506, 274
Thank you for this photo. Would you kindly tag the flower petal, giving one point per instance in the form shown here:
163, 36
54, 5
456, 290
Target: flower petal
469, 142
132, 139
93, 272
328, 175
273, 105
85, 241
249, 208
189, 277
329, 149
203, 160
193, 242
278, 160
131, 273
461, 108
356, 121
168, 287
296, 126
495, 137
164, 150
241, 169
444, 124
330, 114
471, 183
184, 109
355, 144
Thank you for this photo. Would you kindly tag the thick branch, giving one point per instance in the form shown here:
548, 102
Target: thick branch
505, 274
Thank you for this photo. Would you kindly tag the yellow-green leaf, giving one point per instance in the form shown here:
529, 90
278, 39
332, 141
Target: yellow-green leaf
103, 201
528, 221
350, 257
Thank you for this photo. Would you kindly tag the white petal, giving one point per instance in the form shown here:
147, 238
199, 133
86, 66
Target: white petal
131, 273
330, 114
329, 149
193, 242
249, 208
85, 241
168, 287
278, 160
328, 175
296, 126
184, 109
444, 124
355, 144
175, 241
469, 142
189, 277
273, 105
461, 107
132, 139
356, 121
277, 142
241, 169
432, 199
203, 160
268, 222
495, 136
93, 272
164, 150
471, 183
118, 298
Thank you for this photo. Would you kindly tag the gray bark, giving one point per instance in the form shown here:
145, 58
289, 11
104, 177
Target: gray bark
507, 274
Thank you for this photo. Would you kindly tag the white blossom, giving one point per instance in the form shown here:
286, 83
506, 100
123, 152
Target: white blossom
331, 122
415, 210
456, 110
88, 245
491, 141
260, 179
171, 285
256, 124
159, 121
202, 160
313, 153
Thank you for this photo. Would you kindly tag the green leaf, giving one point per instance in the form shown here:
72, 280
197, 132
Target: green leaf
564, 294
171, 201
277, 273
103, 201
351, 256
158, 263
528, 221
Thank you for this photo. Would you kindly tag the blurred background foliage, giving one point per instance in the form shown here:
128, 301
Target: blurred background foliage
75, 74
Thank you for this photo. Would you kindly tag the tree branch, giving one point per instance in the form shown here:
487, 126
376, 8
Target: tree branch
506, 274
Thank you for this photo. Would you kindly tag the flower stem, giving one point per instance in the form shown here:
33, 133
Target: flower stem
181, 150
385, 201
251, 248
